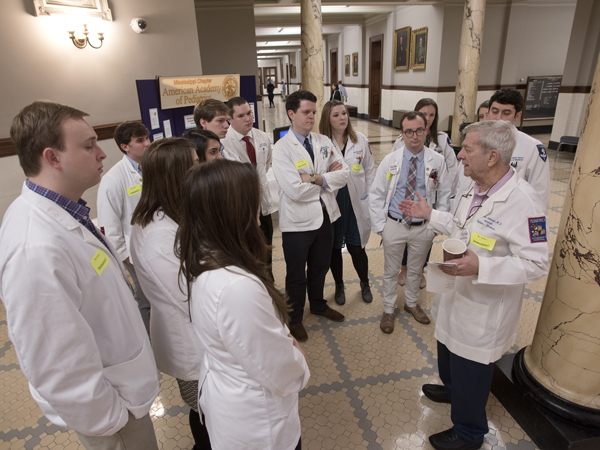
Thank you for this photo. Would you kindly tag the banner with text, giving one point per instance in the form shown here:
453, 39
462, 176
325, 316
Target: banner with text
177, 92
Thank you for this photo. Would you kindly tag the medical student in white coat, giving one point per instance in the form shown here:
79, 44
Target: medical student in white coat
353, 228
206, 142
176, 345
503, 222
213, 115
71, 316
309, 172
253, 368
251, 145
440, 142
391, 184
118, 195
529, 156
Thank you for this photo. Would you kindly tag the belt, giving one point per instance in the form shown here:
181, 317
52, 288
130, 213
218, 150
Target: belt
412, 224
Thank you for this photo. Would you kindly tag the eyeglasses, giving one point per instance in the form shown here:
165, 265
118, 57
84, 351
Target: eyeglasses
409, 133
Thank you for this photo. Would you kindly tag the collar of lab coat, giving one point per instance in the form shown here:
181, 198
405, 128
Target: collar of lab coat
499, 196
62, 217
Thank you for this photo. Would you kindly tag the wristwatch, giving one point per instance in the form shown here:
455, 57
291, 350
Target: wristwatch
313, 179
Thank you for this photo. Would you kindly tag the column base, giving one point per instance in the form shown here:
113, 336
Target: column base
547, 429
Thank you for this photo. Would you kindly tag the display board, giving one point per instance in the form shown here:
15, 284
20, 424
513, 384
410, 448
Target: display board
541, 97
173, 122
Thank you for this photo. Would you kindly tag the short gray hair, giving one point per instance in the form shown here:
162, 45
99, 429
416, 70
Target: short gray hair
495, 134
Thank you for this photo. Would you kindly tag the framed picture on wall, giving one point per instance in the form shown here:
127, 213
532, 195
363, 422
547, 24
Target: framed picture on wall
418, 49
355, 64
89, 8
401, 48
292, 71
347, 65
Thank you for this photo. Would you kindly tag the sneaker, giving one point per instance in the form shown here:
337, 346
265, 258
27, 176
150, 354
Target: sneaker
402, 278
299, 332
331, 314
423, 282
387, 323
366, 292
418, 314
340, 296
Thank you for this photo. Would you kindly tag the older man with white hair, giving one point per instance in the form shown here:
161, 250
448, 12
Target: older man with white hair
502, 221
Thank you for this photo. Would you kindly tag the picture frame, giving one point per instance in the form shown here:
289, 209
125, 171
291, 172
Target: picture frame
418, 48
347, 65
89, 8
402, 41
355, 64
292, 71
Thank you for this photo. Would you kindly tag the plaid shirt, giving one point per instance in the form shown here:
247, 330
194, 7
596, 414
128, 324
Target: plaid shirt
78, 210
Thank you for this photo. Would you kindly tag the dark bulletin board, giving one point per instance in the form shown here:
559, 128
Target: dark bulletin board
541, 97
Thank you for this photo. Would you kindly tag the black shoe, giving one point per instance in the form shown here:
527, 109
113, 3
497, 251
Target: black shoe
331, 314
340, 296
299, 332
366, 292
448, 440
436, 392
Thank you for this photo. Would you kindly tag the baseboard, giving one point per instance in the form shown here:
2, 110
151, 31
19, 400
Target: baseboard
363, 116
387, 123
537, 129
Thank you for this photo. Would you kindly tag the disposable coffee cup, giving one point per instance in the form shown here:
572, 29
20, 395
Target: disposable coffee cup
453, 249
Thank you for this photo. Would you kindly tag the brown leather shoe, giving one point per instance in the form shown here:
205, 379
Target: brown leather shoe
418, 314
297, 330
387, 323
331, 314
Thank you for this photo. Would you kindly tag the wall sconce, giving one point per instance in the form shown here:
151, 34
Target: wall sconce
85, 40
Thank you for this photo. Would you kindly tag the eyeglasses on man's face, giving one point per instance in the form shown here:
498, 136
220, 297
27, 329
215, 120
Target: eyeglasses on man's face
409, 133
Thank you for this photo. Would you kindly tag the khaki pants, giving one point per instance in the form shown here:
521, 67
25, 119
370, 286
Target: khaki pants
396, 236
137, 434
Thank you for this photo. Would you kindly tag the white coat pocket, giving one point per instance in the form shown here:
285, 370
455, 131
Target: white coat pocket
283, 406
468, 316
131, 379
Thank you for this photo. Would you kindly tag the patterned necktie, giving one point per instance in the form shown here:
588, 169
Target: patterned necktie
250, 149
309, 149
411, 184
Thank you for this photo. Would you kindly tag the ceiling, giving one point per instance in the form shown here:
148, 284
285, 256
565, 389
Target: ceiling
277, 22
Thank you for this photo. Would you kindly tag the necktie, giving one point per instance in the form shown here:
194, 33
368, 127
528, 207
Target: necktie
309, 149
250, 149
411, 184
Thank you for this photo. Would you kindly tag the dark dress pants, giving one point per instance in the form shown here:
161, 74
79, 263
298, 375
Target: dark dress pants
302, 249
266, 225
469, 384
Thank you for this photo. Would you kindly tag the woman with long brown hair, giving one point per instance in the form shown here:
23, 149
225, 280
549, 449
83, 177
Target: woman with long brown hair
253, 368
353, 228
176, 347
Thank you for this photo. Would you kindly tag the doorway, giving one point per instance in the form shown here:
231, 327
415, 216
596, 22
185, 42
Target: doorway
269, 73
333, 66
375, 76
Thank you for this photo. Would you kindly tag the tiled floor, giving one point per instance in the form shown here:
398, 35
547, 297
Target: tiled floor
365, 388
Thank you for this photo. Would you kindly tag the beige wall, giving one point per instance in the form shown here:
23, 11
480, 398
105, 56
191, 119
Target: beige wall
40, 62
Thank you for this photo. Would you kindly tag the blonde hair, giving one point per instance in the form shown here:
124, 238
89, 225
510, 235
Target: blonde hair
325, 123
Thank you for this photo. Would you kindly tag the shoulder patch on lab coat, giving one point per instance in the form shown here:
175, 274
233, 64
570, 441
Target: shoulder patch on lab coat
537, 229
542, 151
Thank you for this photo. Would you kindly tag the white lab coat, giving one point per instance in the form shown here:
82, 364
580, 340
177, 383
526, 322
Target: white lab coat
262, 145
479, 319
176, 346
531, 161
251, 373
386, 181
79, 336
299, 205
115, 205
359, 159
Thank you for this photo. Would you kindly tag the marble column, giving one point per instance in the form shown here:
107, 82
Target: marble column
465, 99
312, 52
564, 357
